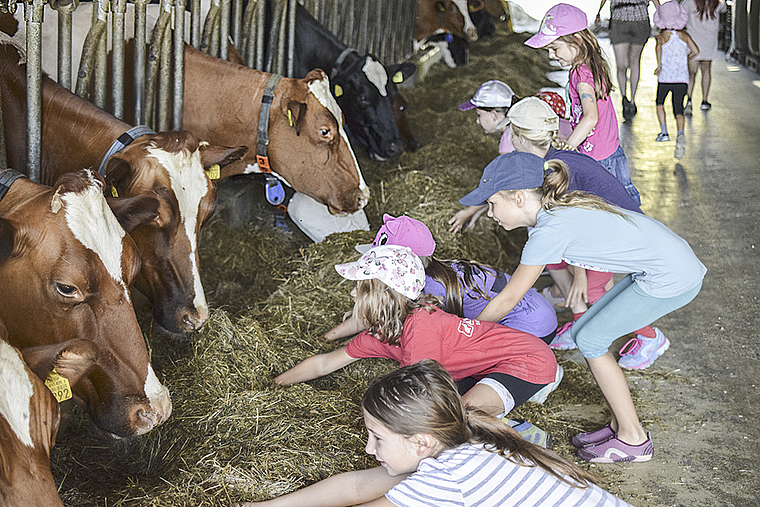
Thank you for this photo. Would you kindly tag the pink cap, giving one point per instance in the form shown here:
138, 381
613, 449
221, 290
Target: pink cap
562, 19
396, 266
404, 231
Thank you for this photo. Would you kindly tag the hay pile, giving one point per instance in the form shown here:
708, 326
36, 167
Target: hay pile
233, 434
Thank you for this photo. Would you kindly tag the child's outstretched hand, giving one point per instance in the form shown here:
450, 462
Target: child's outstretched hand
467, 216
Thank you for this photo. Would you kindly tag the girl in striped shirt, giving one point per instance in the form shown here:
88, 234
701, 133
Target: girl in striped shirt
435, 452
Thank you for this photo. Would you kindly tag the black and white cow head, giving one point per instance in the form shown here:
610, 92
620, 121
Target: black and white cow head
365, 90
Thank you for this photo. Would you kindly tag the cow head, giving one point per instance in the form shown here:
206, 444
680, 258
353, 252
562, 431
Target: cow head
365, 90
65, 268
169, 166
309, 116
29, 417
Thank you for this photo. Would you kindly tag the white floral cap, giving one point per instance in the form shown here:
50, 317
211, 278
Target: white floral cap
396, 266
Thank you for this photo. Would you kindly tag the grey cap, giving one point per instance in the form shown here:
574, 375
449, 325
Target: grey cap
511, 171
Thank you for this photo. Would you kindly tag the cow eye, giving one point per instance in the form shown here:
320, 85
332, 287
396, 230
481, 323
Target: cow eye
67, 291
324, 132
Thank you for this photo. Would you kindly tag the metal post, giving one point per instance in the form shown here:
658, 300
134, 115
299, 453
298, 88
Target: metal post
291, 36
260, 34
195, 23
179, 63
117, 62
65, 9
139, 69
237, 24
224, 29
33, 14
100, 15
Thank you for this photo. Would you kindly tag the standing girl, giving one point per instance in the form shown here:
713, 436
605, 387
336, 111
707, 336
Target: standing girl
496, 368
564, 32
433, 450
586, 231
703, 26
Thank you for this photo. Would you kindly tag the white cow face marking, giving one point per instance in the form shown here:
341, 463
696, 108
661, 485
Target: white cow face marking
376, 75
93, 223
320, 88
190, 186
16, 393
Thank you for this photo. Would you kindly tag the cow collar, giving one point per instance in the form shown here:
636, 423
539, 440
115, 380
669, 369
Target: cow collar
339, 61
122, 142
275, 193
7, 177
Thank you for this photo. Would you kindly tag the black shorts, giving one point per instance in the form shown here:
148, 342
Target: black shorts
520, 390
629, 32
679, 92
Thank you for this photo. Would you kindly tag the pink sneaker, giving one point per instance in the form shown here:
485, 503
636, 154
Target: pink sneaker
640, 352
614, 450
563, 340
593, 437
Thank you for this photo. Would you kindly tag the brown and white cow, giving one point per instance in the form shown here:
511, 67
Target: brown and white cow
446, 24
308, 147
30, 415
66, 265
168, 166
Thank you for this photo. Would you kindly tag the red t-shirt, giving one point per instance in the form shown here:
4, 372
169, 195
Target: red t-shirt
465, 347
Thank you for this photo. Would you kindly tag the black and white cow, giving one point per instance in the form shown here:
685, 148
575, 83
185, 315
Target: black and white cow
363, 87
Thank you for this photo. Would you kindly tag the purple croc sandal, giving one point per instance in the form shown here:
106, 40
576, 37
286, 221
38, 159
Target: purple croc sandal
614, 450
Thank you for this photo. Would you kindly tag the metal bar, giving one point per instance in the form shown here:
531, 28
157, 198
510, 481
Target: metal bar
224, 29
195, 23
164, 77
179, 63
64, 40
117, 55
33, 13
260, 27
291, 36
139, 68
237, 24
156, 40
99, 91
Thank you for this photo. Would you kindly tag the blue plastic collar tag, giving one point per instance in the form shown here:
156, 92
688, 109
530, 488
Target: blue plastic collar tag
275, 193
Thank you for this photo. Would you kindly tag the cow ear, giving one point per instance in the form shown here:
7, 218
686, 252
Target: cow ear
117, 170
401, 72
296, 113
219, 156
72, 359
7, 238
134, 212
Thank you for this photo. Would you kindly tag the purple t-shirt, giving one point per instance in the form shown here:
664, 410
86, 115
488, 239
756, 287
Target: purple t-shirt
604, 139
533, 314
588, 175
505, 144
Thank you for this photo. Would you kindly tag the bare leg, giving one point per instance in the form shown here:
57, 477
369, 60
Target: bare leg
622, 52
563, 279
661, 118
611, 381
679, 121
693, 67
634, 64
705, 66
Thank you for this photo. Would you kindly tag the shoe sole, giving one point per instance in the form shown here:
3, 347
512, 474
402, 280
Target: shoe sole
665, 346
629, 459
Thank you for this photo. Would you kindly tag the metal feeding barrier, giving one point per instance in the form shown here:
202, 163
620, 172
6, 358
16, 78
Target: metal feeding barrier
383, 28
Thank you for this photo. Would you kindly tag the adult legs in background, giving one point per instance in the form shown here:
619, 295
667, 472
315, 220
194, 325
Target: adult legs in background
705, 67
628, 62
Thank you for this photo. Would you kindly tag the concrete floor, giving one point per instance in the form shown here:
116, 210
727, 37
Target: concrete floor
703, 411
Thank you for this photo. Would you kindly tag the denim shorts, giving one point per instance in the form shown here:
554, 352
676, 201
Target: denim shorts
617, 165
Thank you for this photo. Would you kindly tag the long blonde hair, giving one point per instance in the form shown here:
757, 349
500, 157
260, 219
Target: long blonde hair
591, 54
423, 398
542, 139
384, 310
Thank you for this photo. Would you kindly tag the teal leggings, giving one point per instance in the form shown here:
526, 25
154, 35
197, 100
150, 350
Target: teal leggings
624, 309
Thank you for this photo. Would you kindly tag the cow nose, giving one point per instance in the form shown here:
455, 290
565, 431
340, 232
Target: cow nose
472, 34
193, 320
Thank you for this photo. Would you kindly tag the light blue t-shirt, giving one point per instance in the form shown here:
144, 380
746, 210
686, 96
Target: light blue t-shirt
662, 263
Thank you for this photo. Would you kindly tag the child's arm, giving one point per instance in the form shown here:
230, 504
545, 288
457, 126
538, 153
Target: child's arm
315, 366
693, 48
590, 115
349, 488
348, 327
468, 216
578, 289
522, 280
658, 53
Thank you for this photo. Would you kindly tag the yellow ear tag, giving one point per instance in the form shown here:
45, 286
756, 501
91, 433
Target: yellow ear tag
114, 192
398, 77
290, 117
214, 172
59, 386
338, 91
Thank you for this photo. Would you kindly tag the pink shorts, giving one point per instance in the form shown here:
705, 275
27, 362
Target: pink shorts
597, 280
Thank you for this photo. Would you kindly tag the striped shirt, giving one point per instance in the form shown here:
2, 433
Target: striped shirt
470, 475
629, 10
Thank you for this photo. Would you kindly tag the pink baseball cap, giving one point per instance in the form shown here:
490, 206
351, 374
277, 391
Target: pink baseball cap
394, 265
492, 93
404, 231
562, 19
